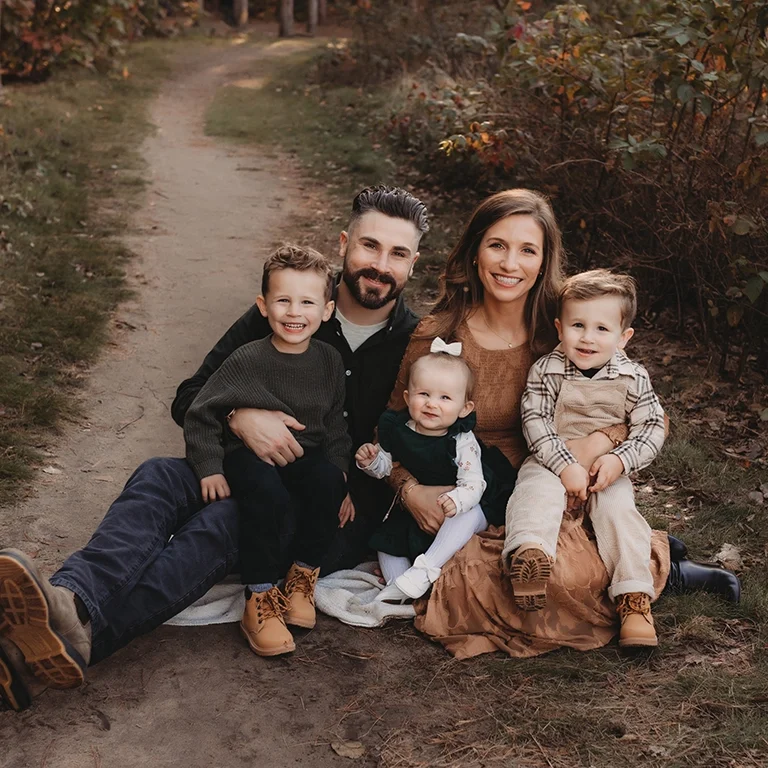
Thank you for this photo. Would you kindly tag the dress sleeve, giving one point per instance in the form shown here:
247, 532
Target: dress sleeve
380, 467
470, 483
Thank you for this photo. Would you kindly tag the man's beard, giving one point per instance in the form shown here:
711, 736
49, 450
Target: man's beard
370, 299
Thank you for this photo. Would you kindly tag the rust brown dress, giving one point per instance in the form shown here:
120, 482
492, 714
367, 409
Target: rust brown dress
471, 609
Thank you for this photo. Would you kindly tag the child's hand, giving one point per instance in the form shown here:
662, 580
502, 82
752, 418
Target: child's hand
215, 487
606, 470
346, 511
366, 453
575, 479
447, 504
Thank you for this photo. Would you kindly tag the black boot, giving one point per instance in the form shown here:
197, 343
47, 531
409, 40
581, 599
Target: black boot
677, 549
686, 576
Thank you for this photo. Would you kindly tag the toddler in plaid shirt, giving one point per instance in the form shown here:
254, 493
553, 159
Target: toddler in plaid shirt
584, 385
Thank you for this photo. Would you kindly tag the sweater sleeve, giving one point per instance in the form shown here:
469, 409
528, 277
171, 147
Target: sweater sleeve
249, 327
232, 385
337, 444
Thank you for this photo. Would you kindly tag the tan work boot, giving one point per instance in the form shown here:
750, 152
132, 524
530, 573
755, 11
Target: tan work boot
530, 569
263, 624
300, 591
42, 622
18, 686
637, 630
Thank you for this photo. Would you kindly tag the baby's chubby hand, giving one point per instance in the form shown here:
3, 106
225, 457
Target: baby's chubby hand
447, 504
366, 453
215, 487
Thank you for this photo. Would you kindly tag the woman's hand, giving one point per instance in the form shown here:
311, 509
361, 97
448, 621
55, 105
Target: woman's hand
424, 507
587, 450
267, 434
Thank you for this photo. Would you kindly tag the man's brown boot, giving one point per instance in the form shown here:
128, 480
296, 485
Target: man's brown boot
18, 686
637, 630
42, 622
300, 591
263, 624
529, 570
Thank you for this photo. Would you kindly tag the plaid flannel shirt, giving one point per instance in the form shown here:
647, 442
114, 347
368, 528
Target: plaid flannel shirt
645, 416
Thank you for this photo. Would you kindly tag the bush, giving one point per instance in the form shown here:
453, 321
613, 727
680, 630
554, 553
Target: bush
35, 35
649, 129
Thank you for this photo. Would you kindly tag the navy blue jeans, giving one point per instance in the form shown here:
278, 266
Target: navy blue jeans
157, 551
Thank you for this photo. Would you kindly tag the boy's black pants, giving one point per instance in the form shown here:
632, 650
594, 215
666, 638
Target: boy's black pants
310, 489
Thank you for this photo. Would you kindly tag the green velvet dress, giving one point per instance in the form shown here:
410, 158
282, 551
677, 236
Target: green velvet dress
432, 461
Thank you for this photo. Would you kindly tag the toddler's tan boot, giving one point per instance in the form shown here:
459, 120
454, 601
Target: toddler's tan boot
300, 592
530, 568
263, 624
637, 630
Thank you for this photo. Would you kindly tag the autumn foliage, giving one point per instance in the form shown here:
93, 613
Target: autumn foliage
37, 35
647, 122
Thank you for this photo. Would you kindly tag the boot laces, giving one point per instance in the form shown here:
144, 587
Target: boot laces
302, 581
271, 603
634, 602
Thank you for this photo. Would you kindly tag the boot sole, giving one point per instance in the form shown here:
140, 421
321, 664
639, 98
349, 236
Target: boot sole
287, 648
25, 621
299, 622
529, 583
13, 692
638, 642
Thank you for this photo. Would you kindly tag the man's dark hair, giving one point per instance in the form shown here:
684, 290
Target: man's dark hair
301, 259
391, 201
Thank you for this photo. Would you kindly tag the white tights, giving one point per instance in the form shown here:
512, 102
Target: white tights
454, 533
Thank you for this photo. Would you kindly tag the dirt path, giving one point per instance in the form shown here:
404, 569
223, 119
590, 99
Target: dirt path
192, 697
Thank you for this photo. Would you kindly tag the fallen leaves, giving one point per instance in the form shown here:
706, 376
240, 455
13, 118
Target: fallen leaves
351, 749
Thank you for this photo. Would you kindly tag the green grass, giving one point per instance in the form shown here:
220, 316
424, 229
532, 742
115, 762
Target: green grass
69, 176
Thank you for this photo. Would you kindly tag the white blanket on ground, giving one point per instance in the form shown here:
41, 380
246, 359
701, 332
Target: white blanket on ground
346, 595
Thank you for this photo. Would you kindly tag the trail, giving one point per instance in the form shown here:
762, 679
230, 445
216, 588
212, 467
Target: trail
191, 697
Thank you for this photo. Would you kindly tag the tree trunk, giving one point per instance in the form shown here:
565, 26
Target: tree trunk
240, 11
286, 18
312, 11
322, 11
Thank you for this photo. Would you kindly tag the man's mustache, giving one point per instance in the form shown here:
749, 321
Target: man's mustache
374, 274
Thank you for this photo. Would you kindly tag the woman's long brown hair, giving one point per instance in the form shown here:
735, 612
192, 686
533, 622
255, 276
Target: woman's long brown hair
461, 289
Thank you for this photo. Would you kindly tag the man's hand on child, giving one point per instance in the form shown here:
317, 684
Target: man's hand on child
448, 505
215, 487
606, 470
366, 453
575, 480
346, 511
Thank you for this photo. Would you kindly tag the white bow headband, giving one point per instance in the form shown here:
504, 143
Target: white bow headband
454, 348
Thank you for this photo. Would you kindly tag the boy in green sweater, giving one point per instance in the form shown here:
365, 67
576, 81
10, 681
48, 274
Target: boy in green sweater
291, 372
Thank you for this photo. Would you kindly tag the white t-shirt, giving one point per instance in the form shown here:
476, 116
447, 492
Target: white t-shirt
357, 335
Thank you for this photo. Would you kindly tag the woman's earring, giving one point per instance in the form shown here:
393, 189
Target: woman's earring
466, 289
474, 262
